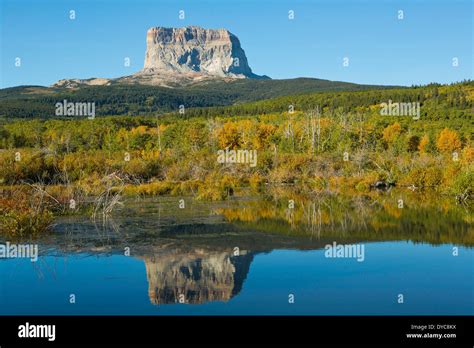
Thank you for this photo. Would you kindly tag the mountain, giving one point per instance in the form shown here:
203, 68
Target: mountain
191, 67
192, 54
182, 56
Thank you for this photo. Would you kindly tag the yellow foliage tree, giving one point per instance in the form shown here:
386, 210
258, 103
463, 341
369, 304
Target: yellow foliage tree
448, 141
264, 132
139, 130
468, 154
423, 143
229, 136
391, 133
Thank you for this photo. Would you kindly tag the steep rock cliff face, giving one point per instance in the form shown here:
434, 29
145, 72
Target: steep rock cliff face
191, 54
181, 56
194, 49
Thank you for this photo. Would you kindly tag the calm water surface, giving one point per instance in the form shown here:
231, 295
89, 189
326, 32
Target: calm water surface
248, 256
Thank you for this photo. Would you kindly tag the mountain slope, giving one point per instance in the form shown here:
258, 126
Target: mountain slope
124, 99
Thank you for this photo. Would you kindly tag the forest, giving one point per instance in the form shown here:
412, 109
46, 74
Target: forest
133, 100
335, 142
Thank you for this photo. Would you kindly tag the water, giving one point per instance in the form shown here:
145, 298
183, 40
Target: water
248, 257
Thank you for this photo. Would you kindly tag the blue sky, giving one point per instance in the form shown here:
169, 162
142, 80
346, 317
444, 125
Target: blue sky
381, 48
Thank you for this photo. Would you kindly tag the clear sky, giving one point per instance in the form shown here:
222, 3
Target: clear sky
381, 48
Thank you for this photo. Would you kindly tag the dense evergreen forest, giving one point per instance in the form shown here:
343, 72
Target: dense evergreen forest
133, 100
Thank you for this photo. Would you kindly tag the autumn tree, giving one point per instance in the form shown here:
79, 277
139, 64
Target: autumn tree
422, 146
264, 132
391, 132
229, 136
448, 141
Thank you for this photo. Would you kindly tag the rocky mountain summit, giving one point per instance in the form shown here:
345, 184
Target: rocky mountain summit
182, 56
193, 50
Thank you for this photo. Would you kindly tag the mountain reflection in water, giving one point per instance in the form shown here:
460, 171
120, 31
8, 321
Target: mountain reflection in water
195, 276
204, 253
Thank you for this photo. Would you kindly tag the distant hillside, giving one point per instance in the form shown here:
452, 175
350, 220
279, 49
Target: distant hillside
123, 99
437, 102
